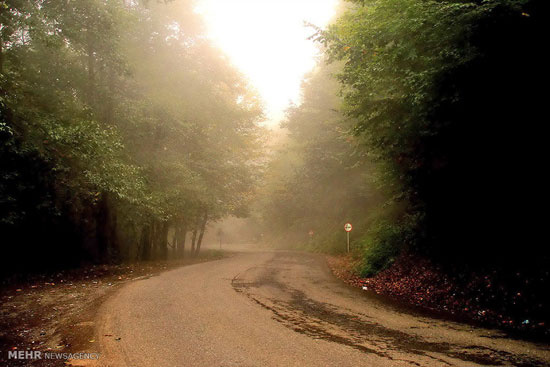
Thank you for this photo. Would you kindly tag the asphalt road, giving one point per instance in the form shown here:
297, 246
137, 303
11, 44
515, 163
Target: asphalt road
284, 309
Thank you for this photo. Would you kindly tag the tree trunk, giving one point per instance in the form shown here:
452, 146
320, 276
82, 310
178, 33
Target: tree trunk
154, 240
194, 240
145, 243
175, 238
106, 231
114, 245
102, 229
163, 240
182, 236
202, 229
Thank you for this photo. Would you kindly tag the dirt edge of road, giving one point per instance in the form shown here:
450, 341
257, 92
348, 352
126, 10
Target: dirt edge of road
418, 284
55, 313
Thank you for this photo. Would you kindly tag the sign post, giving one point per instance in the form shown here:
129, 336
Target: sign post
348, 227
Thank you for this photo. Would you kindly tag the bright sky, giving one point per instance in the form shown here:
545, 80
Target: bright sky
267, 41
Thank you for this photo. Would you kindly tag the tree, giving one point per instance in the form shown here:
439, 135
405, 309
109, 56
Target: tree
320, 178
120, 123
445, 106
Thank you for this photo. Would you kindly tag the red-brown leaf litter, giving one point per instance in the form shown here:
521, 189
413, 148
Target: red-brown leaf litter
515, 303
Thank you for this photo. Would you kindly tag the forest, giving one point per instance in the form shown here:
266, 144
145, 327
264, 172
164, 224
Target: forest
125, 133
423, 127
122, 130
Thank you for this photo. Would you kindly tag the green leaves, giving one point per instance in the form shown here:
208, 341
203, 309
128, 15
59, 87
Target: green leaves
394, 52
437, 91
111, 109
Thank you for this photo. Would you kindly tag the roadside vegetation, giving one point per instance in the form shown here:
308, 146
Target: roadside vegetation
425, 132
430, 141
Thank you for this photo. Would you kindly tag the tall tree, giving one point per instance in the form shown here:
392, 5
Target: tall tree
120, 120
449, 110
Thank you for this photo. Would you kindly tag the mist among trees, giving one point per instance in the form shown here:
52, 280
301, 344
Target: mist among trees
120, 122
125, 132
431, 142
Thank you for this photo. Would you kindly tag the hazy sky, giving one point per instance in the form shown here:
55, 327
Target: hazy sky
267, 40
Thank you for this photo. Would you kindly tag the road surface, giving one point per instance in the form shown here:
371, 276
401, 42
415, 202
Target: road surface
284, 309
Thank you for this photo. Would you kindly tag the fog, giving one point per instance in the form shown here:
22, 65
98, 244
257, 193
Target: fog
139, 137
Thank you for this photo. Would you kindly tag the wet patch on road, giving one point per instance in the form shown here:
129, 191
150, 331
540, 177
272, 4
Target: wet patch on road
325, 321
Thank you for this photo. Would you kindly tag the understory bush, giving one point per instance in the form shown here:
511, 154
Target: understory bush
385, 239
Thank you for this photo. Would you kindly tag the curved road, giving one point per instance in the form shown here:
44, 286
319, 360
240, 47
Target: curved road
284, 309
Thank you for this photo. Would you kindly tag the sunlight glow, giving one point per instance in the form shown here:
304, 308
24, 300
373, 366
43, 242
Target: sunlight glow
267, 41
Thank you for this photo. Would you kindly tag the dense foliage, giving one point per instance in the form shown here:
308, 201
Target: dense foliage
441, 102
123, 129
120, 123
443, 93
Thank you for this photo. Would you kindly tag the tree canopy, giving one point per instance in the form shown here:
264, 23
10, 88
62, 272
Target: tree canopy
440, 116
120, 121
